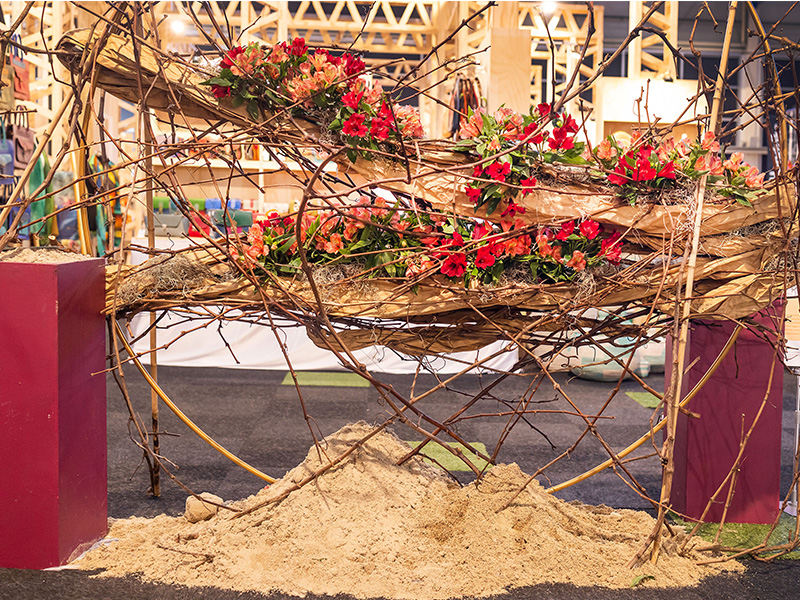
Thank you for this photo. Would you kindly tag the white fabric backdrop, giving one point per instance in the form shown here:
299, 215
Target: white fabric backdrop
255, 347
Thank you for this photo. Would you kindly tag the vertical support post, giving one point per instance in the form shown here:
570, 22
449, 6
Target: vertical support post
509, 60
146, 124
151, 242
635, 47
750, 79
283, 20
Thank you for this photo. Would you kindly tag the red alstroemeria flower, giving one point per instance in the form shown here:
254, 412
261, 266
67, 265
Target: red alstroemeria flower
529, 129
543, 109
379, 129
528, 185
220, 91
668, 171
230, 57
353, 65
484, 258
481, 231
385, 113
354, 126
512, 210
457, 240
352, 99
567, 227
644, 171
619, 176
589, 229
455, 265
298, 47
611, 248
498, 171
560, 140
570, 125
473, 194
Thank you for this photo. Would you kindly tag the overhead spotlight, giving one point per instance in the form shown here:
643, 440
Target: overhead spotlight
178, 26
548, 8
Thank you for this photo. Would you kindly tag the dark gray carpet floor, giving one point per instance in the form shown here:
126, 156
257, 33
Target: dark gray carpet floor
254, 416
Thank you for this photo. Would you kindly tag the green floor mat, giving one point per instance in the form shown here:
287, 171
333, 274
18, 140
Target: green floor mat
749, 535
326, 379
646, 399
450, 461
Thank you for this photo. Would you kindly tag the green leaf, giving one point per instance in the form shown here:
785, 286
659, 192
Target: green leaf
220, 81
283, 248
488, 124
492, 190
237, 101
492, 204
352, 154
252, 110
465, 146
640, 579
357, 246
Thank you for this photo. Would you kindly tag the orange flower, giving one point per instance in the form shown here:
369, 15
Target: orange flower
734, 162
471, 128
605, 151
577, 261
335, 244
710, 142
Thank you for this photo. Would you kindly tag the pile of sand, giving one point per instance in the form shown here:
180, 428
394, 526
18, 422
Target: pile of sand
42, 255
370, 528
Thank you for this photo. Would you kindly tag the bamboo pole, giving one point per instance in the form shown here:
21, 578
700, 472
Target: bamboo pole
151, 243
145, 124
673, 406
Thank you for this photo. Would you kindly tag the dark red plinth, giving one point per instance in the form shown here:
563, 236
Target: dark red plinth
53, 492
707, 447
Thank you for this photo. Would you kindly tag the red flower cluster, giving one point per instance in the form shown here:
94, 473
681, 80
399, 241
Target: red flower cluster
611, 248
561, 138
498, 171
297, 48
436, 244
230, 57
641, 166
455, 265
354, 126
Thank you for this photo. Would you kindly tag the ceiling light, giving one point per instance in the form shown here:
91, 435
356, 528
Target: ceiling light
548, 8
178, 26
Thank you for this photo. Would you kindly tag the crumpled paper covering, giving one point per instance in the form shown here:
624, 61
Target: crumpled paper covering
444, 191
458, 318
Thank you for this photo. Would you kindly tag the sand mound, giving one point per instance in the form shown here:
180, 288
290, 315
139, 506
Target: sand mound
370, 528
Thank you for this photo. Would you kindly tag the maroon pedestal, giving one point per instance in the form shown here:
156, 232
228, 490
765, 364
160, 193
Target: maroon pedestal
53, 482
707, 447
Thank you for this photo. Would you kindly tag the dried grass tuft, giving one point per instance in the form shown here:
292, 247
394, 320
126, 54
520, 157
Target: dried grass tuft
161, 274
